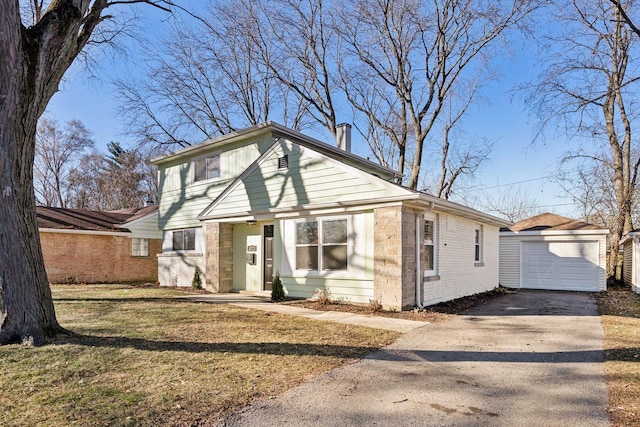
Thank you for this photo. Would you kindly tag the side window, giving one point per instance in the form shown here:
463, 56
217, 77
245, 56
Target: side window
184, 240
429, 245
478, 244
206, 168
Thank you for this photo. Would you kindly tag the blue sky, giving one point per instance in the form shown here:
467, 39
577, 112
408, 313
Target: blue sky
501, 118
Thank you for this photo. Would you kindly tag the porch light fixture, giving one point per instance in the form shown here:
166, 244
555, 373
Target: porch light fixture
252, 222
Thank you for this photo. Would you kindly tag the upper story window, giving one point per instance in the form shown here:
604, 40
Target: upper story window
206, 168
478, 244
184, 240
321, 244
429, 245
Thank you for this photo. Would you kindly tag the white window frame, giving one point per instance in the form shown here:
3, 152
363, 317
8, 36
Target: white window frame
206, 158
139, 247
478, 244
183, 230
321, 244
433, 218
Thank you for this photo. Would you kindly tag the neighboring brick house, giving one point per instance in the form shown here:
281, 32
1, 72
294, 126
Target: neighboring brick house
268, 200
82, 246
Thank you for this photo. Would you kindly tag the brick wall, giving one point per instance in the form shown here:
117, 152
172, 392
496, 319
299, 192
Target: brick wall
88, 258
218, 239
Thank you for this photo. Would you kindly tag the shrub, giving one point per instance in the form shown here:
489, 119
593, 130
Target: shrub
375, 306
277, 291
196, 283
322, 296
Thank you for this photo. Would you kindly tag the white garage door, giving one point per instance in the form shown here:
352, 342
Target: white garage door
569, 266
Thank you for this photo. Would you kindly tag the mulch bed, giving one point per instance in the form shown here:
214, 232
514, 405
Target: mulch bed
434, 314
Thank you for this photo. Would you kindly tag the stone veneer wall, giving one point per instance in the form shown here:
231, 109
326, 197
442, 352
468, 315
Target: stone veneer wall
218, 239
394, 257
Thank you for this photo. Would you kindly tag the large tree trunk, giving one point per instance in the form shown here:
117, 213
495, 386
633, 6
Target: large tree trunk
32, 63
26, 308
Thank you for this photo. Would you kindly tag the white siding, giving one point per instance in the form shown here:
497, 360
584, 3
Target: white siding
146, 228
627, 263
459, 275
510, 264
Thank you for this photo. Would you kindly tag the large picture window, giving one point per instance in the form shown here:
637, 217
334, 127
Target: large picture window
206, 168
184, 240
321, 244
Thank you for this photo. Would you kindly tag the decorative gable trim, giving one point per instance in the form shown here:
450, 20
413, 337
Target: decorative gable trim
236, 182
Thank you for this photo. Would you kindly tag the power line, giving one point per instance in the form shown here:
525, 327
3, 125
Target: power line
517, 182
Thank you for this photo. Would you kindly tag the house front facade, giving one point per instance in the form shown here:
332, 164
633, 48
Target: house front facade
267, 200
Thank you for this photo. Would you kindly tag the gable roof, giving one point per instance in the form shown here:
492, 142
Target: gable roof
83, 219
279, 131
551, 222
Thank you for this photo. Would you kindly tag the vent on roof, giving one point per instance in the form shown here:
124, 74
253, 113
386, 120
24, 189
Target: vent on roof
283, 162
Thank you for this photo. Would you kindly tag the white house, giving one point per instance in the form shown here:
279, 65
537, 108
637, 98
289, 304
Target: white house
268, 200
553, 252
631, 260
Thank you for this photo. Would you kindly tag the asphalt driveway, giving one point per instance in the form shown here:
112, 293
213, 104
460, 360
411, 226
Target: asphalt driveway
527, 359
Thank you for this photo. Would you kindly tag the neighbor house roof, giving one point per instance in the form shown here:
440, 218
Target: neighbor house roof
551, 222
83, 219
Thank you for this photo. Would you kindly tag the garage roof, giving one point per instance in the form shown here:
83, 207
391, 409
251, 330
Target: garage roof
554, 223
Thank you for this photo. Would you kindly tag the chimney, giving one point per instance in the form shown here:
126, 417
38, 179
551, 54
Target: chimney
343, 136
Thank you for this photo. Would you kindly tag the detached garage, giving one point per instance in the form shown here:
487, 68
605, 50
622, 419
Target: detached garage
553, 252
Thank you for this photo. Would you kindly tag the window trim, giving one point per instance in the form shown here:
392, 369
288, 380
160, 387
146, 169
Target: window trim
431, 217
139, 240
204, 157
321, 245
478, 245
183, 230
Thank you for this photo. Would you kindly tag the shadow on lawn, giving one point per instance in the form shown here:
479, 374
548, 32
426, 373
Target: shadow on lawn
282, 349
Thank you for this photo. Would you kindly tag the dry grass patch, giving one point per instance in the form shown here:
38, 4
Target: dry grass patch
140, 357
620, 314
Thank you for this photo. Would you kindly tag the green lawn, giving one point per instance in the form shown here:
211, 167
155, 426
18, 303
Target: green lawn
140, 357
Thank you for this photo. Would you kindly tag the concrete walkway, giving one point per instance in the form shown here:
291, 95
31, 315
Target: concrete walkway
527, 359
262, 303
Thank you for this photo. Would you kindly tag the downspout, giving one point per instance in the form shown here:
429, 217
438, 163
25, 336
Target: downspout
418, 272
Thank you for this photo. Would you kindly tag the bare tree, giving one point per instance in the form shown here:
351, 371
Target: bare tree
209, 80
407, 61
117, 180
35, 57
513, 204
589, 86
57, 151
297, 40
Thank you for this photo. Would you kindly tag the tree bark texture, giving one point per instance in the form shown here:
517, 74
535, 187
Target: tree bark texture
32, 63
